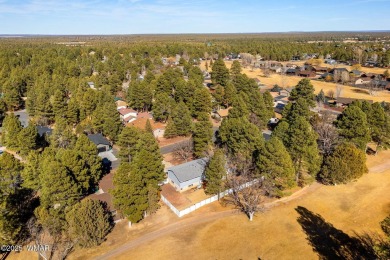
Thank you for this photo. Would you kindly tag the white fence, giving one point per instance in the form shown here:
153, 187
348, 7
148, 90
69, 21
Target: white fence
181, 213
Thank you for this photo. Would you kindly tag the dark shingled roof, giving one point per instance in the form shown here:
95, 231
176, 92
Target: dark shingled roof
44, 130
98, 139
189, 170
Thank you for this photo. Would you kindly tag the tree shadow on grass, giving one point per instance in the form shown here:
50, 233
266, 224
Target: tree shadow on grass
329, 242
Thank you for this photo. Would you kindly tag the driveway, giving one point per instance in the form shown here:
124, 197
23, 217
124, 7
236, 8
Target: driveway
23, 117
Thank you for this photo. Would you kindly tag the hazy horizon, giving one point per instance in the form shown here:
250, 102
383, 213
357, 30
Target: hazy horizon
123, 17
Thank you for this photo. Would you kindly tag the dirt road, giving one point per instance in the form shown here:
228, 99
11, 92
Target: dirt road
193, 221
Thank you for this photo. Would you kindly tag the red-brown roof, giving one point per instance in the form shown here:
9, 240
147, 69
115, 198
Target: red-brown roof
125, 111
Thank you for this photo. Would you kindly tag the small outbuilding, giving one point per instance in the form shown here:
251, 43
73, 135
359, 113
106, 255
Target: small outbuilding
187, 175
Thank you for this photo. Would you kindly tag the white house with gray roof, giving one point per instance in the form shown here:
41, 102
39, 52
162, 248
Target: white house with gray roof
187, 175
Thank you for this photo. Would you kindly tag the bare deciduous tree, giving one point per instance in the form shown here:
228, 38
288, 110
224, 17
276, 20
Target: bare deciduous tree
327, 136
247, 193
330, 93
184, 150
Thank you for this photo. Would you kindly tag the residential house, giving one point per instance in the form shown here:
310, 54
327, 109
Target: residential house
279, 106
320, 69
291, 72
187, 175
44, 131
306, 74
91, 85
120, 104
275, 69
343, 101
127, 115
362, 81
285, 92
101, 142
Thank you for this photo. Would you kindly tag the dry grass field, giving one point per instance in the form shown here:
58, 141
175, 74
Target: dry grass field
356, 207
290, 81
276, 234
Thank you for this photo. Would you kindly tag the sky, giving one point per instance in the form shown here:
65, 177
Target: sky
59, 17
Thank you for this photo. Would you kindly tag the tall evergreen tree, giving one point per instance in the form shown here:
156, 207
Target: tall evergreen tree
11, 129
31, 172
88, 222
162, 107
130, 194
148, 127
274, 162
302, 146
214, 173
59, 190
345, 164
86, 149
240, 136
219, 73
354, 127
182, 119
304, 89
27, 139
201, 102
128, 140
202, 136
170, 129
58, 103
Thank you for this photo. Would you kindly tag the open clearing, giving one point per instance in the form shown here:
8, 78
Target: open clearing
215, 232
290, 81
276, 234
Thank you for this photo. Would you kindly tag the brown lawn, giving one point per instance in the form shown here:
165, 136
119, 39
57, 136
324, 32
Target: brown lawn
356, 207
276, 234
289, 81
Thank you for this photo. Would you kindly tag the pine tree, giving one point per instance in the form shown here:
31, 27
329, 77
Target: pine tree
274, 162
214, 173
11, 204
112, 125
182, 119
170, 129
240, 136
87, 150
230, 93
62, 135
130, 194
31, 172
27, 139
299, 108
148, 161
269, 104
88, 223
304, 90
153, 199
59, 190
202, 102
347, 163
127, 141
236, 69
162, 107
11, 129
148, 127
303, 149
202, 136
354, 127
219, 73
58, 103
77, 167
321, 96
72, 112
